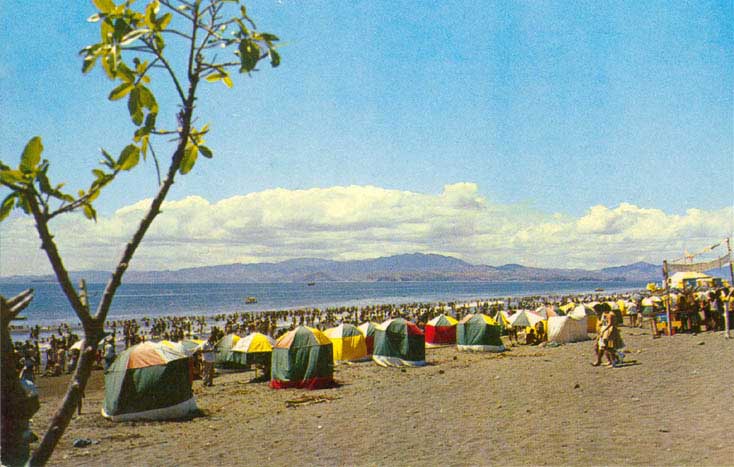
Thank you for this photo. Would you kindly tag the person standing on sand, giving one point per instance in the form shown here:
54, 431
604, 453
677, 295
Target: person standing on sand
608, 340
208, 356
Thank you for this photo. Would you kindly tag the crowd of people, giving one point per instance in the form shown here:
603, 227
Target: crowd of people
52, 352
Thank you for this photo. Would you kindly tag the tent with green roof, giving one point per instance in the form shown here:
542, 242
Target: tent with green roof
480, 333
302, 358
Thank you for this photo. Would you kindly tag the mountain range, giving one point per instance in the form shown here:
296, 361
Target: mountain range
406, 267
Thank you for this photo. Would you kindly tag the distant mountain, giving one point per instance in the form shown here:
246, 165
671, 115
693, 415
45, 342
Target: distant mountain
407, 267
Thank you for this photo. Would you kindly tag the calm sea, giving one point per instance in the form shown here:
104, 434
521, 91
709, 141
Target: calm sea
136, 300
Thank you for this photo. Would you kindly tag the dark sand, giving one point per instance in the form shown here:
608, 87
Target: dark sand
530, 406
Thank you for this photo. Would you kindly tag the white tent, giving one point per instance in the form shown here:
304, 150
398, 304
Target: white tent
571, 328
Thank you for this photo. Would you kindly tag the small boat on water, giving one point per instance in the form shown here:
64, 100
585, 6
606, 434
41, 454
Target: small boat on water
311, 284
599, 290
250, 300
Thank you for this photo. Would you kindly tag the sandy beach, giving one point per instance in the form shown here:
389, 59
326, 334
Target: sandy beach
671, 404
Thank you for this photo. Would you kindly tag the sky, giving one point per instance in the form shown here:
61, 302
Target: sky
550, 134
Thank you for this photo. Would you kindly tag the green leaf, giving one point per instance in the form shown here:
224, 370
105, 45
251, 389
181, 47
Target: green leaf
109, 160
249, 55
105, 6
147, 99
274, 58
7, 206
163, 21
269, 37
134, 107
129, 157
134, 35
121, 91
206, 152
11, 176
31, 155
227, 81
89, 212
189, 159
89, 62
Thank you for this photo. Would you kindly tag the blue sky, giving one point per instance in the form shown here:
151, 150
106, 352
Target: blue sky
546, 110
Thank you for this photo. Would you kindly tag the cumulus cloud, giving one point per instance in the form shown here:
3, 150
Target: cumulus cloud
356, 222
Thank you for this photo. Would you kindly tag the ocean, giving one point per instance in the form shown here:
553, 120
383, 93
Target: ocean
50, 307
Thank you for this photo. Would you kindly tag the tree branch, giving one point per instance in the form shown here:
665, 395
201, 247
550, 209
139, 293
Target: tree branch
52, 252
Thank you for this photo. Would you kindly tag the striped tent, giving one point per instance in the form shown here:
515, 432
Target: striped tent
148, 381
440, 331
224, 357
349, 343
480, 333
302, 358
368, 329
255, 348
399, 343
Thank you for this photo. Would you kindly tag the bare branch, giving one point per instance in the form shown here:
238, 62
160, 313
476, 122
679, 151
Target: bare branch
14, 305
168, 67
155, 159
49, 246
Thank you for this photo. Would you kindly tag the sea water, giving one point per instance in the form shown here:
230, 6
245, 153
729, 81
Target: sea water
50, 307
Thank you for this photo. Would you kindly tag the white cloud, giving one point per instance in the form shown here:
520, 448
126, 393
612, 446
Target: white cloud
356, 222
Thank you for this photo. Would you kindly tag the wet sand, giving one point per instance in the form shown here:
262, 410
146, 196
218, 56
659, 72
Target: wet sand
671, 404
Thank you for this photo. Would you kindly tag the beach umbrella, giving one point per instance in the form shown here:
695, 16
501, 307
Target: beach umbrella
349, 343
479, 332
525, 319
302, 358
150, 381
441, 330
368, 329
255, 348
399, 342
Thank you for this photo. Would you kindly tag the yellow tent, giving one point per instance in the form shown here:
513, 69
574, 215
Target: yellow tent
348, 342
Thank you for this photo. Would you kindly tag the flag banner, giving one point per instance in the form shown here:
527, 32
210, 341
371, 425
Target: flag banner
700, 267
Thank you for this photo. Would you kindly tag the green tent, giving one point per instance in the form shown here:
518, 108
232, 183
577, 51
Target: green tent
302, 358
479, 333
149, 381
399, 343
225, 358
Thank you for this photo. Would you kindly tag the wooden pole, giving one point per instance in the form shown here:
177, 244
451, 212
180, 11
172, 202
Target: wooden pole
667, 297
728, 298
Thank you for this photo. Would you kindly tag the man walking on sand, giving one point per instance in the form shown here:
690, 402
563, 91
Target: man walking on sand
208, 356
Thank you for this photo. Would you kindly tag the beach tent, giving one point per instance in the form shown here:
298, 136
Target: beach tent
368, 329
651, 305
525, 319
479, 332
190, 346
302, 358
503, 319
223, 348
348, 342
399, 342
570, 328
255, 348
546, 311
683, 279
148, 381
441, 330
